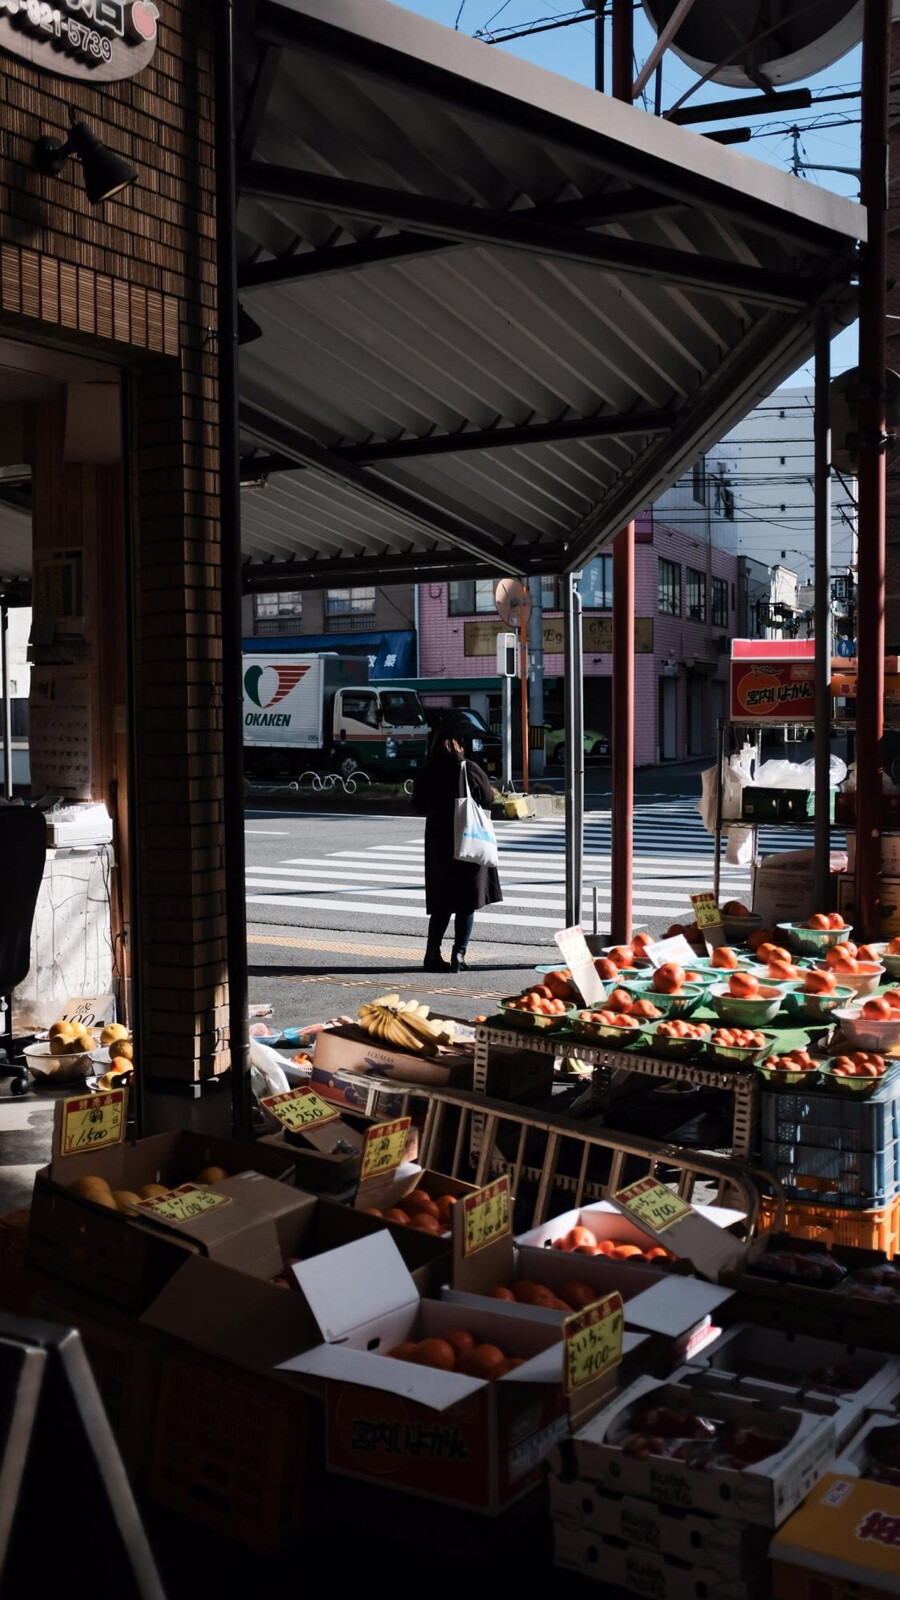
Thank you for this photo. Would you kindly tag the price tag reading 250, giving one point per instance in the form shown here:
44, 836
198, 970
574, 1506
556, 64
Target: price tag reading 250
592, 1342
92, 1121
653, 1204
486, 1216
183, 1204
384, 1148
298, 1109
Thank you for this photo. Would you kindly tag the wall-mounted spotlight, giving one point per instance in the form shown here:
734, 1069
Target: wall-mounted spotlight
104, 172
248, 328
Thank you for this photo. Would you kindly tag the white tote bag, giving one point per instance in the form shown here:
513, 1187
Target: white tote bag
473, 830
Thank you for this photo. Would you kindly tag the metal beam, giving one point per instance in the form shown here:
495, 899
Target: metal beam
415, 509
742, 106
522, 231
258, 99
268, 577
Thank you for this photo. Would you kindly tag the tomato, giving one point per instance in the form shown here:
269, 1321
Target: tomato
620, 1000
734, 908
838, 951
605, 968
743, 986
892, 996
844, 963
835, 920
866, 953
641, 940
435, 1353
645, 1009
820, 921
893, 948
724, 957
760, 937
783, 971
819, 982
668, 978
877, 1008
579, 1236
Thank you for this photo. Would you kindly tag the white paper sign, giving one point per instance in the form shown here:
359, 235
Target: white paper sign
577, 957
90, 1010
675, 949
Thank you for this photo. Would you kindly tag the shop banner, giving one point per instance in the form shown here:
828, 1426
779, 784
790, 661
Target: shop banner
772, 690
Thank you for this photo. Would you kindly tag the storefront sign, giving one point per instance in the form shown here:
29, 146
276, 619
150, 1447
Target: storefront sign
772, 690
486, 1216
593, 1342
101, 40
480, 638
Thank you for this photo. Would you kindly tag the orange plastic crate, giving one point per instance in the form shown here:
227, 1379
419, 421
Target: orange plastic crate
871, 1230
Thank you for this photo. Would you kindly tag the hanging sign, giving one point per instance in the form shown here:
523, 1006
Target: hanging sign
101, 40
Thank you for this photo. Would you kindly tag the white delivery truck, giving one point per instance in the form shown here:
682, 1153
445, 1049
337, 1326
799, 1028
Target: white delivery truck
318, 711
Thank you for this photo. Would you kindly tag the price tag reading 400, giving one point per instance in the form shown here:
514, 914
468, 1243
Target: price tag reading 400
384, 1148
592, 1341
486, 1216
92, 1121
652, 1203
299, 1108
183, 1204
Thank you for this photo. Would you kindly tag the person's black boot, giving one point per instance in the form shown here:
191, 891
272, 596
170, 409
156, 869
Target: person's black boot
458, 960
434, 962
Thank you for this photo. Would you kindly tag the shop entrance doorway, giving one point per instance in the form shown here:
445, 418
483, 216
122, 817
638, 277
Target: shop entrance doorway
668, 719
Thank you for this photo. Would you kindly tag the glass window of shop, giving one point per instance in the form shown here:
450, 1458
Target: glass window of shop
272, 611
349, 602
719, 603
472, 597
668, 585
595, 584
696, 595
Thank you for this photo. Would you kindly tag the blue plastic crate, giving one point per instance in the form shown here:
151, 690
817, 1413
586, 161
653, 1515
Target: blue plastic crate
830, 1121
842, 1177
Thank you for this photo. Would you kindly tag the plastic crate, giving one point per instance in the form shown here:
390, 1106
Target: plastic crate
831, 1121
869, 1230
870, 1178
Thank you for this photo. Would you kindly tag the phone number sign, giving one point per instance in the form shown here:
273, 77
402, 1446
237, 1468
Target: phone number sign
102, 40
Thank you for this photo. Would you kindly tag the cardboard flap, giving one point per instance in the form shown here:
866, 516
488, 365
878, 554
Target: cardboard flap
693, 1237
424, 1385
675, 1306
231, 1315
357, 1283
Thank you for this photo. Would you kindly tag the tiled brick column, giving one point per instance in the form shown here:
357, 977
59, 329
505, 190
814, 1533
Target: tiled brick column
892, 596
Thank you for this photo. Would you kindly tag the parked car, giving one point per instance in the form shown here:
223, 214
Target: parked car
596, 745
485, 746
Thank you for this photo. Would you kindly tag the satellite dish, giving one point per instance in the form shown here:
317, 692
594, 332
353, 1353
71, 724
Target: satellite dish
513, 602
779, 42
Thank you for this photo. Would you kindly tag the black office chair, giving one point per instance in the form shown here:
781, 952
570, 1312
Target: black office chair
23, 851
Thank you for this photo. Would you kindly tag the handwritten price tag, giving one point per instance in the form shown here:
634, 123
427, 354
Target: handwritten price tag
653, 1204
709, 919
486, 1216
383, 1148
299, 1108
592, 1342
92, 1121
183, 1204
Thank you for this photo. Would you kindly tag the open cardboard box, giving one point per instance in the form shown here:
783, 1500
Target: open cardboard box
125, 1258
636, 1570
701, 1239
347, 1050
842, 1543
318, 1165
387, 1193
797, 1370
607, 1220
674, 1312
465, 1441
726, 1547
805, 1307
764, 1493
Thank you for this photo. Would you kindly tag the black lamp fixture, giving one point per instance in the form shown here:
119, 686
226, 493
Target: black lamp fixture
248, 328
104, 172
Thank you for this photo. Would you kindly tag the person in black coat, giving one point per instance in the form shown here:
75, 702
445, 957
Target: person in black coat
452, 888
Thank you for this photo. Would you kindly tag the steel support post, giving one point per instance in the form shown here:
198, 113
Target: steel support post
6, 717
871, 572
822, 486
574, 775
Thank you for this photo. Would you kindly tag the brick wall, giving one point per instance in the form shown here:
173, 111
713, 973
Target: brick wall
135, 280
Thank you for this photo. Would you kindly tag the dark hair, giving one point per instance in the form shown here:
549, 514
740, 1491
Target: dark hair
450, 726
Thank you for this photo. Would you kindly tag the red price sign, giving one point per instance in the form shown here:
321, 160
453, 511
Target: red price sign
92, 1121
486, 1216
592, 1342
384, 1148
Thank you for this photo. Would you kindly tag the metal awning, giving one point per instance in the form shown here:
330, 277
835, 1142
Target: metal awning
500, 312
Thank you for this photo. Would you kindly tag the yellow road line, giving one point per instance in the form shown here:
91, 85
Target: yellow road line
309, 942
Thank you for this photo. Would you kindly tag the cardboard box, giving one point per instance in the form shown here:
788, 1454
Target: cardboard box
843, 1544
388, 1192
803, 1307
608, 1220
800, 1371
861, 1455
764, 1494
345, 1052
640, 1571
460, 1440
724, 1546
889, 903
783, 893
350, 1089
126, 1259
320, 1167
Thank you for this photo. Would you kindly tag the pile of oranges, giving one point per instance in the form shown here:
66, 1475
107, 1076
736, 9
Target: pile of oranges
625, 1004
458, 1351
419, 1210
679, 1029
540, 1002
739, 1038
862, 1064
623, 956
581, 1241
822, 921
794, 1061
848, 959
573, 1296
609, 1018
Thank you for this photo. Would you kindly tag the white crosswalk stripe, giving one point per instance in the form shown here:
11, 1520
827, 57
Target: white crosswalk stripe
673, 858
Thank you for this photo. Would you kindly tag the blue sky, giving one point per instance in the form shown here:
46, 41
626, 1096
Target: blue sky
569, 51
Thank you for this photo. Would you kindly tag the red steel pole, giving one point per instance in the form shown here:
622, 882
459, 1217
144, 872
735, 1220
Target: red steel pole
872, 467
523, 672
622, 818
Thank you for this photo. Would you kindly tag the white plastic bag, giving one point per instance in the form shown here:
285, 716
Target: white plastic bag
740, 847
706, 805
267, 1075
738, 774
473, 831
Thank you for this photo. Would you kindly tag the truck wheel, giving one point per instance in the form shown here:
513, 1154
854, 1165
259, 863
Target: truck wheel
346, 766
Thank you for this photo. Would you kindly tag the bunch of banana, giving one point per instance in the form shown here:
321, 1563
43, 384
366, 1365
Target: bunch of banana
404, 1023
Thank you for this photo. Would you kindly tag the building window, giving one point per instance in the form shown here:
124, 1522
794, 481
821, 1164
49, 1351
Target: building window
595, 585
349, 602
719, 603
696, 595
668, 583
550, 594
471, 597
732, 597
278, 607
699, 481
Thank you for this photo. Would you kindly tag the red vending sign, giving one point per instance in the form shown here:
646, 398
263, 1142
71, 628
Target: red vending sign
772, 680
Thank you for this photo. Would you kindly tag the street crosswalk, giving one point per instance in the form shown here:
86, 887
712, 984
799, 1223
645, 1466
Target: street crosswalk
384, 883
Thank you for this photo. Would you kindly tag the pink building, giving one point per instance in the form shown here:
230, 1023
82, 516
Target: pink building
686, 600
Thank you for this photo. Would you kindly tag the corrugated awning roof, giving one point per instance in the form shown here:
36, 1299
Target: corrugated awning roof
500, 312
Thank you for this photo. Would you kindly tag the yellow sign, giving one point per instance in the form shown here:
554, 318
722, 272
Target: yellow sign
592, 1342
706, 910
183, 1204
486, 1216
92, 1121
383, 1148
480, 638
653, 1204
299, 1108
